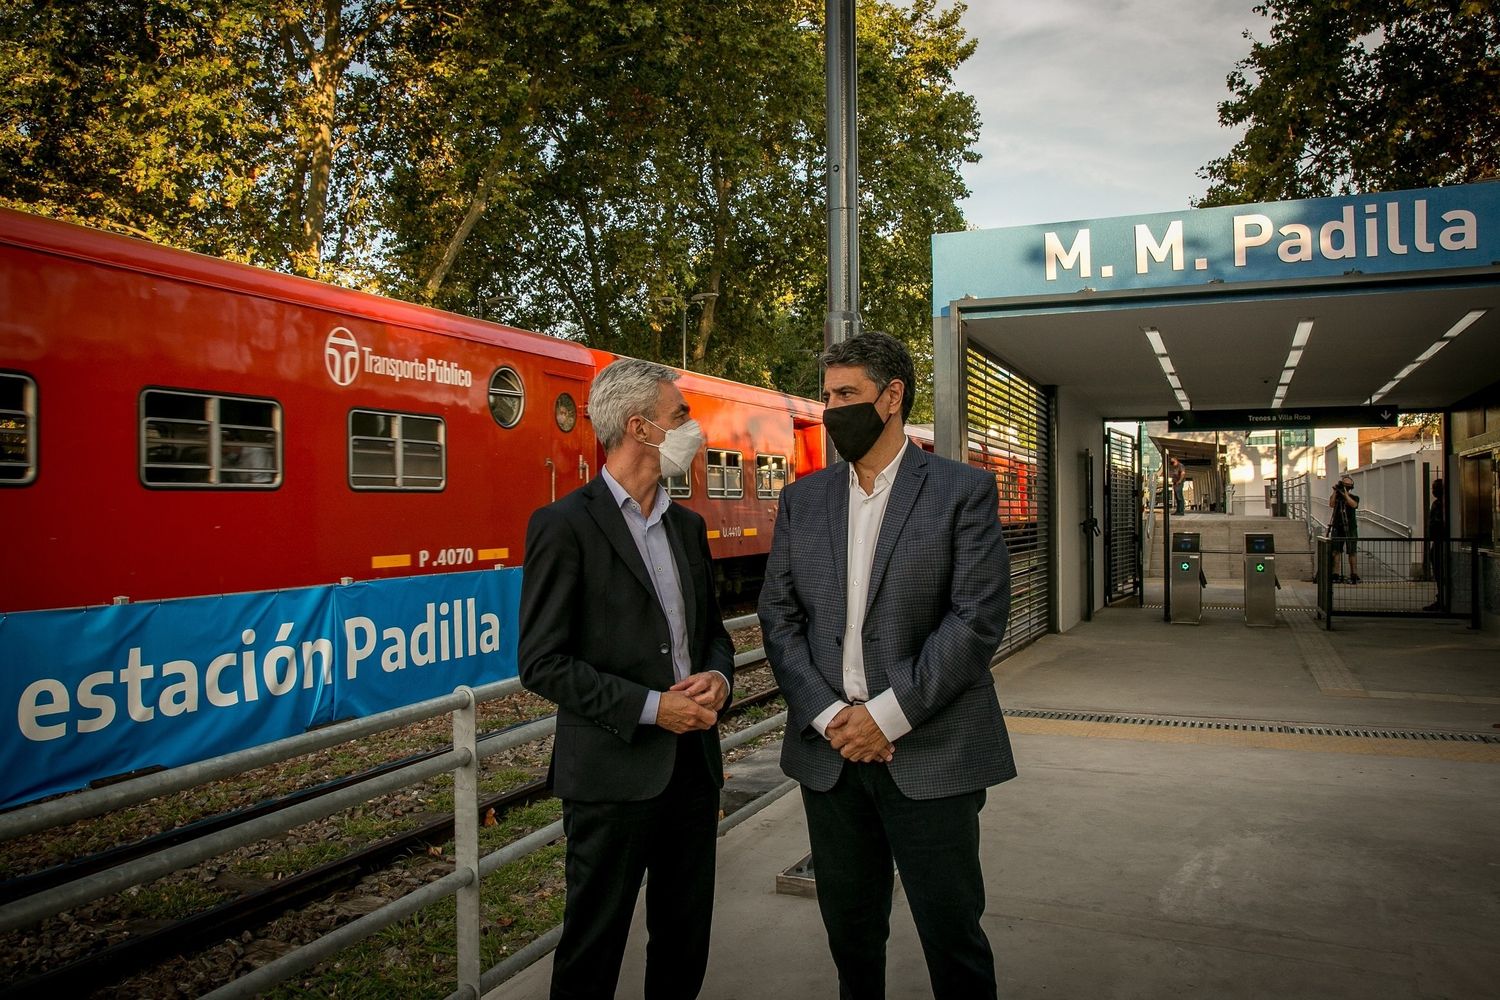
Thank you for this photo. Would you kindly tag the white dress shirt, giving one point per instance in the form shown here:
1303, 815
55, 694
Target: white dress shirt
866, 513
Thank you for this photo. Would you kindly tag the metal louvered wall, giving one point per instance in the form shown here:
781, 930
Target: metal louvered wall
1010, 424
1123, 522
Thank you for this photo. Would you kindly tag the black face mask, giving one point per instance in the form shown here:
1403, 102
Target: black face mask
854, 428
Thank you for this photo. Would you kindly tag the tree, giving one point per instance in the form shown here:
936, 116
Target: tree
1362, 95
674, 151
916, 131
582, 168
113, 117
230, 127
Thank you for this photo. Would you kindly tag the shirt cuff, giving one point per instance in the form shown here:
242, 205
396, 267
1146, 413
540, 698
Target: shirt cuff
728, 691
648, 710
822, 719
886, 711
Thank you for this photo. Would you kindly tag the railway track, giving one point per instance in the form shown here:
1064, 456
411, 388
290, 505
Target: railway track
100, 969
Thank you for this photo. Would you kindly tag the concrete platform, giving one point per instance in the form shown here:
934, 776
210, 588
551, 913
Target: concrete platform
1136, 861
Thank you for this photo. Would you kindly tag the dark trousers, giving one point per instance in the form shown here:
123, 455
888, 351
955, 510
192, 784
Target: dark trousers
611, 845
857, 828
1437, 559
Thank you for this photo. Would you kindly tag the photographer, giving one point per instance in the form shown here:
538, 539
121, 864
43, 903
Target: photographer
1343, 527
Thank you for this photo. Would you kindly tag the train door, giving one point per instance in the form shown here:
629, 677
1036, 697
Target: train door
569, 461
808, 436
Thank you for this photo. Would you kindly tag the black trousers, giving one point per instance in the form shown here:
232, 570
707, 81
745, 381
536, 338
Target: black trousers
611, 845
857, 828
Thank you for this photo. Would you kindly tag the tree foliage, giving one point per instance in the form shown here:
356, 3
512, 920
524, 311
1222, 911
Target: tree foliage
590, 168
1363, 95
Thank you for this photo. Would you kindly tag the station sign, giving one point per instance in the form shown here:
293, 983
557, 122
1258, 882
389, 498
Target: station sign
93, 693
1432, 229
1287, 418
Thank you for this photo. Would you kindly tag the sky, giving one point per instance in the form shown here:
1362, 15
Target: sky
1097, 108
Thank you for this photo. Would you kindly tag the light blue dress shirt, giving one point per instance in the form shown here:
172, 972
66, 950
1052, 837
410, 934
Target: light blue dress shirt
651, 541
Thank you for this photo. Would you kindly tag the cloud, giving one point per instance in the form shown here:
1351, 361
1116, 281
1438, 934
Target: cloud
1094, 108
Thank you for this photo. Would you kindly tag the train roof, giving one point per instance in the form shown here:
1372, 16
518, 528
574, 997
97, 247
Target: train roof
66, 239
723, 388
979, 446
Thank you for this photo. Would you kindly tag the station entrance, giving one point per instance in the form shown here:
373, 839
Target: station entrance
1384, 303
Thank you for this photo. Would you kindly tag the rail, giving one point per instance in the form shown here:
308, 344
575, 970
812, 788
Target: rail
1399, 578
1148, 512
462, 760
1399, 529
1297, 497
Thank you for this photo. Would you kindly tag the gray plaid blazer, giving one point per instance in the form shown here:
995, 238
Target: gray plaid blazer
939, 597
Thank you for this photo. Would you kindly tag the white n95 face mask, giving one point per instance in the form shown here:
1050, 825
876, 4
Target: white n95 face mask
679, 447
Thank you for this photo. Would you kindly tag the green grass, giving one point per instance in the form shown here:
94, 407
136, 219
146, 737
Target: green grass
290, 861
758, 713
168, 900
416, 958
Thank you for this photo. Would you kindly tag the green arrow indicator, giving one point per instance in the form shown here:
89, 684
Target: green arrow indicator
1260, 567
1186, 566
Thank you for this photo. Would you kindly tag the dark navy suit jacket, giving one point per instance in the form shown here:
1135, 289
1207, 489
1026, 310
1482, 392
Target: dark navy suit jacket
594, 639
939, 598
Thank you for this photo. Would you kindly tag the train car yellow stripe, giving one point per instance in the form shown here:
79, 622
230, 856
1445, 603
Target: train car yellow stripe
389, 562
488, 554
751, 532
713, 533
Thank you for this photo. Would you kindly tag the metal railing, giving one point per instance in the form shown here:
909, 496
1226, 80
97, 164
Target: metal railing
1399, 578
1399, 529
463, 882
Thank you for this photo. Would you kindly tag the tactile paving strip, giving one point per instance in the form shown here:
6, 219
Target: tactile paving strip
1248, 726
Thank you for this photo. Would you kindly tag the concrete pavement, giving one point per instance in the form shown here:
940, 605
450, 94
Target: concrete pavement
1146, 861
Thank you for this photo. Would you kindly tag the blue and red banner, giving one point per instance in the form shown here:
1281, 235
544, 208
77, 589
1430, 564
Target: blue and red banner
92, 692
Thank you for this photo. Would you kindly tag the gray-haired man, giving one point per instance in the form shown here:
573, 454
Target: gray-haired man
620, 627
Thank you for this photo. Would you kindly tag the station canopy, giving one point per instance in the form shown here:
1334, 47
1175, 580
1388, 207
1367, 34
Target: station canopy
1383, 300
1191, 453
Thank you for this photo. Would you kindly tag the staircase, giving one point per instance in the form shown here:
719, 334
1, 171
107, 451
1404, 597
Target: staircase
1223, 540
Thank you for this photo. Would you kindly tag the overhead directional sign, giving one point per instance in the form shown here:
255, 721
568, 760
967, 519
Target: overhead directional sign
1282, 419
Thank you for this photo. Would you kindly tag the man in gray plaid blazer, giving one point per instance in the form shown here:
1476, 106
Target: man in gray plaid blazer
886, 595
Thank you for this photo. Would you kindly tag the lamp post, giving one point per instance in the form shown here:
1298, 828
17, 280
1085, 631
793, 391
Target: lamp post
700, 297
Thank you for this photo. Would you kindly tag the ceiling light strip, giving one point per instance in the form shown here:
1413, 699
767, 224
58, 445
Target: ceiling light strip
1159, 348
1293, 358
1467, 320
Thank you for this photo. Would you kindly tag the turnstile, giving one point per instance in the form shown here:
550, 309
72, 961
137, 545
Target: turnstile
1186, 578
1260, 579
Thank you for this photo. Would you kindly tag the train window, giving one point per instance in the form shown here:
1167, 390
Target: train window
565, 412
725, 475
680, 487
507, 397
194, 439
396, 451
770, 476
17, 429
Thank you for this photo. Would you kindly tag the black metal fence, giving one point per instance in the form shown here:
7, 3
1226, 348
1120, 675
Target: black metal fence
1398, 578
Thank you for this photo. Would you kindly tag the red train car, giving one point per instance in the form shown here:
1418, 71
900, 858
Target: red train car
175, 425
1015, 470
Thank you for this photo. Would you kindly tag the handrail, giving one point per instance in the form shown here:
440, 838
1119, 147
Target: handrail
97, 801
1389, 523
469, 869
